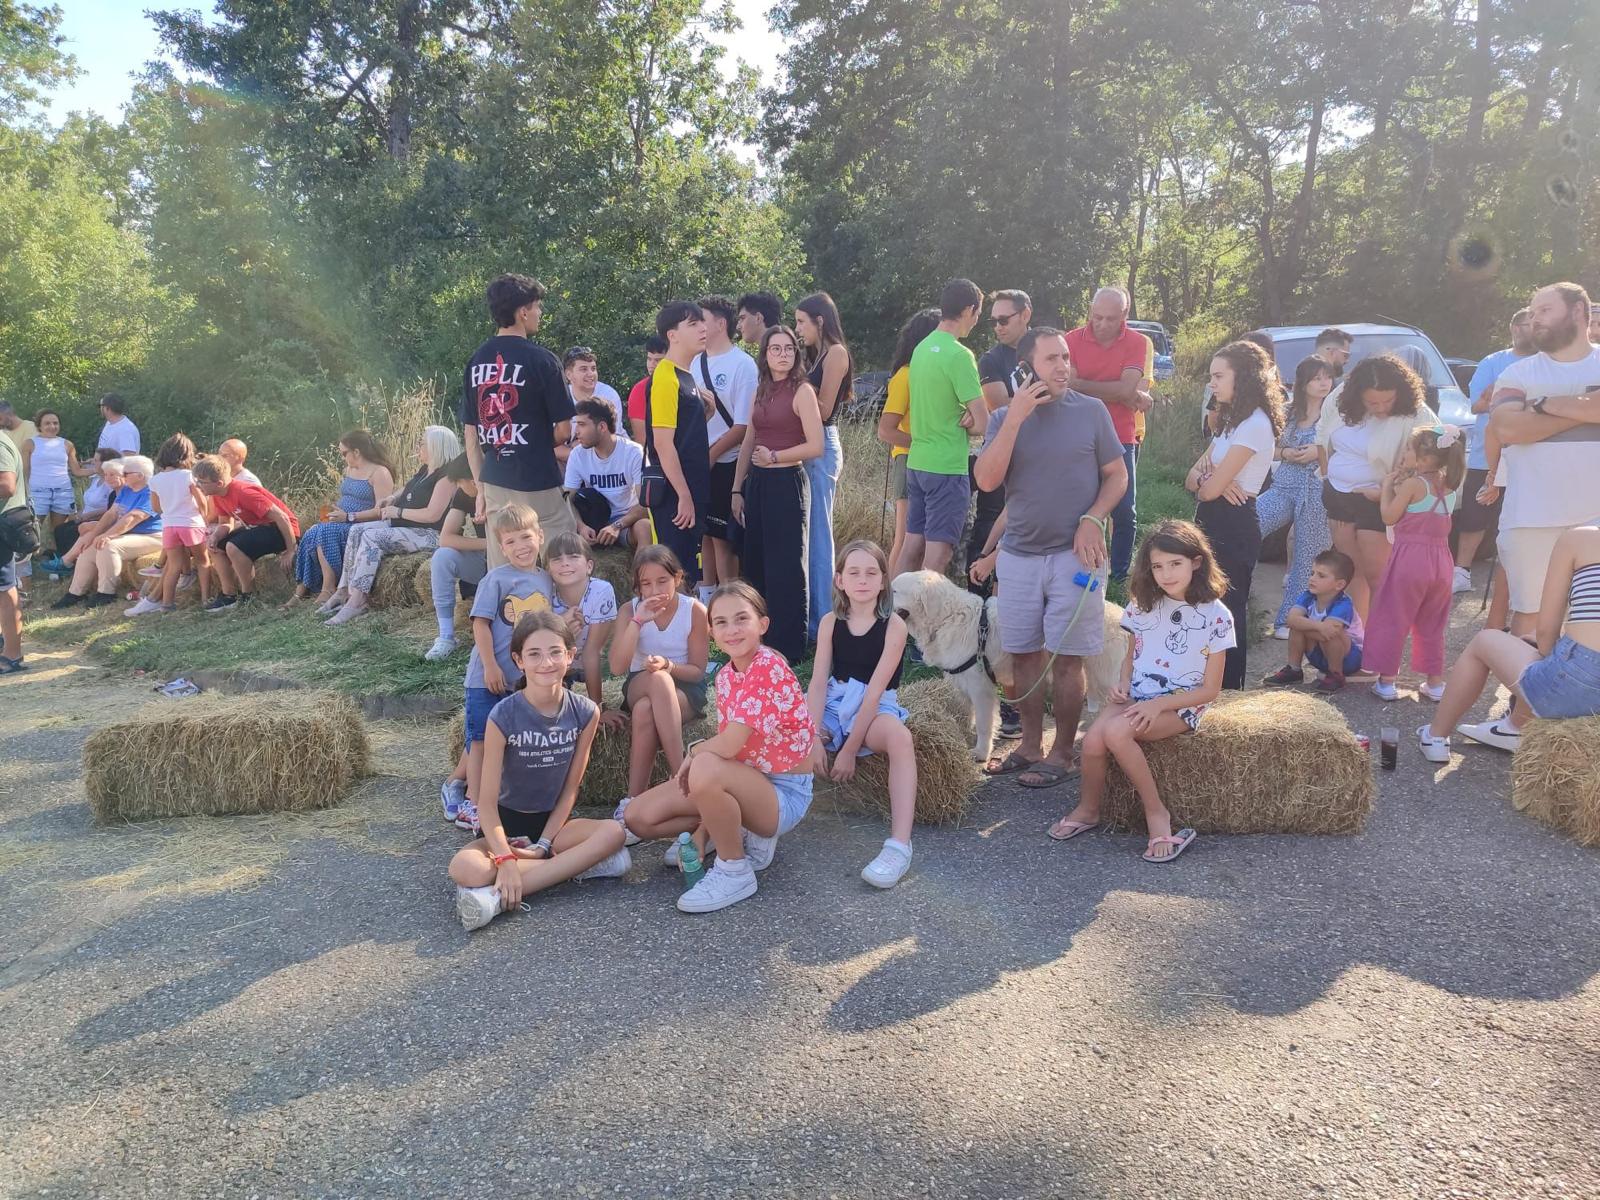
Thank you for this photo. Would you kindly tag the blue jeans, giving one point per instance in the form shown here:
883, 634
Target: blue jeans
822, 473
1124, 517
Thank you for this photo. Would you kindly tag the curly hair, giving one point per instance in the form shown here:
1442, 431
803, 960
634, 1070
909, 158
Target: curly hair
1381, 373
1176, 537
1256, 386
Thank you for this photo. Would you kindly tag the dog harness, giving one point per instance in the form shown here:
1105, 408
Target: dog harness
983, 642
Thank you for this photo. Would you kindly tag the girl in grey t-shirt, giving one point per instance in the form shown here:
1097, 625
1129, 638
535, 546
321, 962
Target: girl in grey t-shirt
536, 748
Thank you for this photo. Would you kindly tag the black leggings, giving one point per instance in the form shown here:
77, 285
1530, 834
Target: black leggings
66, 535
777, 517
1235, 535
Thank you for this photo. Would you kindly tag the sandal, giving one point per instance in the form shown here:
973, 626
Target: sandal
1178, 841
1010, 765
1065, 830
1049, 772
10, 666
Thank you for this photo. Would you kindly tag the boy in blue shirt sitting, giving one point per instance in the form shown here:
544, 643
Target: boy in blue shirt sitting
1324, 628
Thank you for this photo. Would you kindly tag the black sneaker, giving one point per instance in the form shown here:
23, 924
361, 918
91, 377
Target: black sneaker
99, 599
67, 600
1010, 720
222, 604
1287, 676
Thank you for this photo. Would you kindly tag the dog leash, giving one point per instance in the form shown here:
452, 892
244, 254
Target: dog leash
1090, 582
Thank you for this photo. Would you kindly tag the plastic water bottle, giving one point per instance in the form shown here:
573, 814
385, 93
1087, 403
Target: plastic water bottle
689, 861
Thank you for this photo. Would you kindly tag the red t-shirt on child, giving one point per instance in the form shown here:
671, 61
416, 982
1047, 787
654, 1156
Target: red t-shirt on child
252, 504
769, 699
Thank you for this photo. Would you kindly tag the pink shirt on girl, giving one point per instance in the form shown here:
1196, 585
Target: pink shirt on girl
769, 699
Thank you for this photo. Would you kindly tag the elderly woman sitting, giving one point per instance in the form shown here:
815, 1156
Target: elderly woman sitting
403, 523
128, 529
106, 470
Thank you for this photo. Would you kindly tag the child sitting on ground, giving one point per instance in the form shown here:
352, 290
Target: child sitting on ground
589, 606
1180, 631
1414, 594
184, 510
751, 783
536, 748
662, 641
861, 647
503, 597
1324, 627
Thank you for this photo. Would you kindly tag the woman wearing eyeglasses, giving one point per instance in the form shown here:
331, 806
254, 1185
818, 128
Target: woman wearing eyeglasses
319, 554
771, 494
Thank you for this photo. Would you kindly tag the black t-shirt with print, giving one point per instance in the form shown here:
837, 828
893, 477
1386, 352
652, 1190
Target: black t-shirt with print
514, 394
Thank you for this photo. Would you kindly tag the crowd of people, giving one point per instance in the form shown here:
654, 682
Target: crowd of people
718, 473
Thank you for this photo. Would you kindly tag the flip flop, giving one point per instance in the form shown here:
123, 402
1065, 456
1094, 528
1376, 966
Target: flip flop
1179, 843
1053, 774
1011, 764
10, 666
1071, 829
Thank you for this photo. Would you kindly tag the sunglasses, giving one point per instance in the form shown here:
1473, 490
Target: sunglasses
998, 319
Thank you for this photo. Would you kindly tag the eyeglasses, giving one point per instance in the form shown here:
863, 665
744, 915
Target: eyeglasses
781, 348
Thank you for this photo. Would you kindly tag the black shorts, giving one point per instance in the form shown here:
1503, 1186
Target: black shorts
1352, 509
685, 543
719, 506
523, 825
256, 541
1473, 517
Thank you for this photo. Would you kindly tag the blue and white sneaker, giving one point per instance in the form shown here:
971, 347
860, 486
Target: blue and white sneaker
453, 794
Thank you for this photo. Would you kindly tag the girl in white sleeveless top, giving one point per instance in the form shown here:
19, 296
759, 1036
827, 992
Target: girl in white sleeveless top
663, 640
49, 462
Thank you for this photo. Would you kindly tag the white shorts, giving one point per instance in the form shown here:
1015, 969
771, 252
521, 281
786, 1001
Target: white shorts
1525, 557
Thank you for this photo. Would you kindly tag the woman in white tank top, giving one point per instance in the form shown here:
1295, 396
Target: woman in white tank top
666, 663
49, 462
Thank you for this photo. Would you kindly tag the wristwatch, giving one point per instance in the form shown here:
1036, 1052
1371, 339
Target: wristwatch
1538, 405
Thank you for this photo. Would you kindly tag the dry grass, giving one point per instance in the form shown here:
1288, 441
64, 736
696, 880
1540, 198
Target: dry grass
1266, 762
1555, 776
213, 755
862, 507
947, 778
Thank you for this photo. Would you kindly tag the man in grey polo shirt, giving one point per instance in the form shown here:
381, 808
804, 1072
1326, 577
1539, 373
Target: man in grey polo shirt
1060, 459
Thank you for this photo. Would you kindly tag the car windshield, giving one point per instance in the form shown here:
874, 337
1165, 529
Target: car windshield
1163, 343
1290, 351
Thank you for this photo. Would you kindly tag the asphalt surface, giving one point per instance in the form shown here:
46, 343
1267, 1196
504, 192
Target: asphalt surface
288, 1007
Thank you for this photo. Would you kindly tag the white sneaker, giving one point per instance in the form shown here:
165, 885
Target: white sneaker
144, 606
724, 884
609, 867
629, 837
186, 581
1461, 581
477, 906
1387, 692
1281, 633
442, 648
1435, 750
893, 861
759, 850
670, 858
453, 794
151, 572
1435, 694
1498, 734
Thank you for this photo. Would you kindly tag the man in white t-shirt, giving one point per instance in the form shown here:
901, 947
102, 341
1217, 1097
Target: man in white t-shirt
582, 372
119, 431
726, 377
1547, 417
605, 468
234, 452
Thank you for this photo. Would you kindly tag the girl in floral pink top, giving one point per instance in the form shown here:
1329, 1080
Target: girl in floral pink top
751, 783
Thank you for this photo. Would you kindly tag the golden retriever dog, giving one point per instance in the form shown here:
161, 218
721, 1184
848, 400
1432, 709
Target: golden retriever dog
960, 634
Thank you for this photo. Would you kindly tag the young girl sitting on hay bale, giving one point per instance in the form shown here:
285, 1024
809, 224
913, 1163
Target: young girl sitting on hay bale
1180, 630
751, 783
536, 746
861, 649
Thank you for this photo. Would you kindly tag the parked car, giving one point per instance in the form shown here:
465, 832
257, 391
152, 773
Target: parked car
1162, 340
1463, 369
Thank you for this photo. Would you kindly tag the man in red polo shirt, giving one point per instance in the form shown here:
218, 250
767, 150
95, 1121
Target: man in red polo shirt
1108, 363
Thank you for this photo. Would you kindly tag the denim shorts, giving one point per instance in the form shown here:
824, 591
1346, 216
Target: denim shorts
48, 500
1564, 684
1319, 659
480, 703
794, 798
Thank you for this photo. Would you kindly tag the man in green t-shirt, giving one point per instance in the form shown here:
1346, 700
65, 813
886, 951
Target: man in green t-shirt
946, 406
13, 495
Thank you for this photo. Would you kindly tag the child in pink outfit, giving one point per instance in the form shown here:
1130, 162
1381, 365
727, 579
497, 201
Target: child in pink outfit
1414, 593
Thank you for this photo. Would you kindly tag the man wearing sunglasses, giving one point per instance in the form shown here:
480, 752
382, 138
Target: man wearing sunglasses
1011, 314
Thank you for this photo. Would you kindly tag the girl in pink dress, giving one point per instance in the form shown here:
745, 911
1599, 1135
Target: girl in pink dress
1414, 593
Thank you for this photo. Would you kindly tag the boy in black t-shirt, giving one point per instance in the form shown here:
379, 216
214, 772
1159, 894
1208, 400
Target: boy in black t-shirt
680, 489
515, 410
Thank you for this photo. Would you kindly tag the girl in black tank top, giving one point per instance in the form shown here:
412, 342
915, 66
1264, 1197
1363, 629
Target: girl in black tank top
852, 696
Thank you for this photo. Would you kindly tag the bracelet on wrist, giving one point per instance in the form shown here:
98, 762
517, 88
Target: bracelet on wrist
543, 844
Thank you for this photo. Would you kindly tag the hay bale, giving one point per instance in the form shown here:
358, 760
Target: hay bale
862, 507
614, 564
1265, 762
947, 778
131, 579
1555, 776
395, 586
223, 755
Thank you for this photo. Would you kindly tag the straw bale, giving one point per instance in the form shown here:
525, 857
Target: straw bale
423, 582
131, 579
947, 778
862, 507
1555, 776
395, 586
614, 564
215, 755
1264, 762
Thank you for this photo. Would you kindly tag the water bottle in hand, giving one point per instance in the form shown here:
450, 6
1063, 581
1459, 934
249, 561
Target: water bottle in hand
689, 861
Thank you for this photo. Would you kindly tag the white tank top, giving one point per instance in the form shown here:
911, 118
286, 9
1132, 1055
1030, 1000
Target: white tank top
48, 467
671, 643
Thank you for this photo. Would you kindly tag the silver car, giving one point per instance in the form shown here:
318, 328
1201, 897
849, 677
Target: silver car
1292, 343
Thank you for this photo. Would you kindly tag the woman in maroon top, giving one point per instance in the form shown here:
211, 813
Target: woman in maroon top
770, 494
